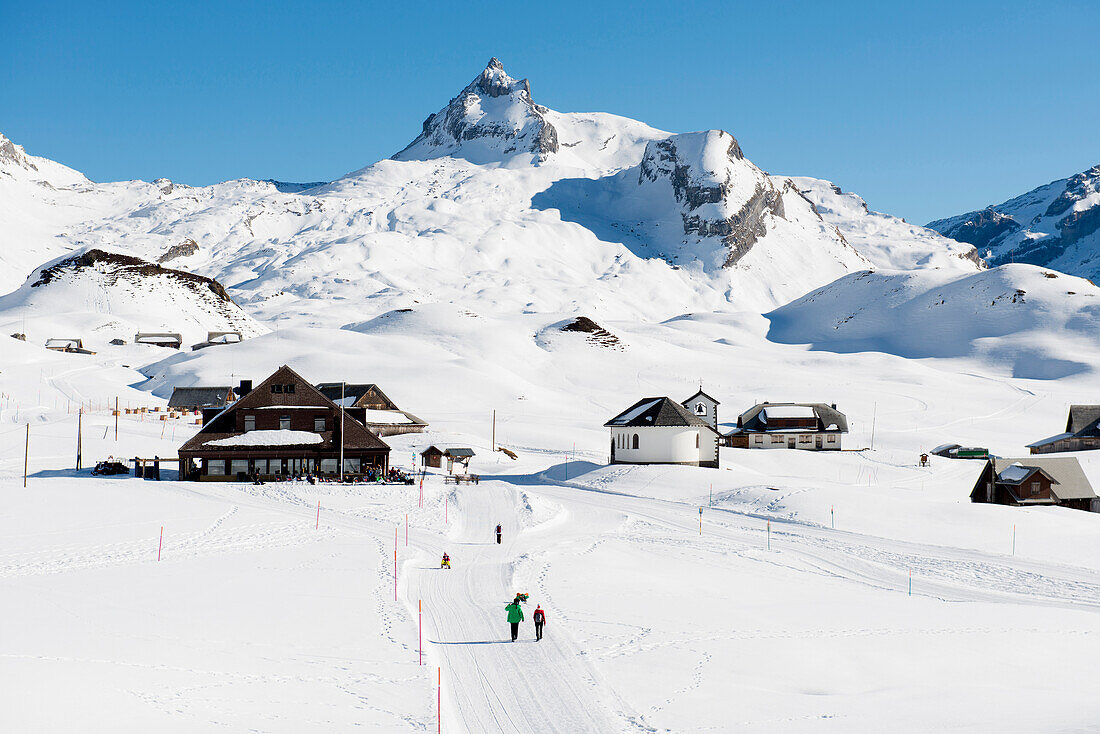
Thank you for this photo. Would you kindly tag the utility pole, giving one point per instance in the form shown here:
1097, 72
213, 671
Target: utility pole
79, 427
342, 433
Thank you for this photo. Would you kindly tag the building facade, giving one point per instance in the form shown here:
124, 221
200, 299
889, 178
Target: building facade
1035, 481
1082, 432
809, 426
662, 431
283, 427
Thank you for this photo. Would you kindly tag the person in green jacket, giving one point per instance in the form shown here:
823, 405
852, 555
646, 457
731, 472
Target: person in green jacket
515, 616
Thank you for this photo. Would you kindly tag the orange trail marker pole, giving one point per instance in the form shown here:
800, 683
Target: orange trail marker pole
395, 564
439, 701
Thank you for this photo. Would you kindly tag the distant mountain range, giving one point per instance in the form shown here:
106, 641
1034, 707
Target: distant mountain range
1056, 225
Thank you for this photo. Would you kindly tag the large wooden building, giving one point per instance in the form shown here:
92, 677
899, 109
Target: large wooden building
381, 415
1035, 481
1082, 432
283, 427
813, 426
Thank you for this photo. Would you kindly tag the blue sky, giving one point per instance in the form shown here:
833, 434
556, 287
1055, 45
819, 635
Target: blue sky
925, 109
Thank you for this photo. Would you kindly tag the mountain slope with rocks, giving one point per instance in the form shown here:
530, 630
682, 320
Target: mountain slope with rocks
1056, 226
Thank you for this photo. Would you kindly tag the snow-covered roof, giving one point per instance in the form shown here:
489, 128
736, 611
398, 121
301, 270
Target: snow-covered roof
1016, 473
789, 411
386, 417
269, 438
1050, 440
656, 412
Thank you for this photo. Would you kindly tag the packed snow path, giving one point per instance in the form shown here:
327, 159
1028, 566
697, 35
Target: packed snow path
493, 684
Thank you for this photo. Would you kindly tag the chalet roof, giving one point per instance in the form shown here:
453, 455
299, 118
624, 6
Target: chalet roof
459, 453
431, 450
700, 393
828, 417
660, 411
1071, 482
356, 435
1050, 440
1084, 420
63, 342
353, 392
160, 336
199, 397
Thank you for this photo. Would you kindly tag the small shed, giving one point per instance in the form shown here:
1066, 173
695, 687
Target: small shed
214, 338
432, 457
459, 455
72, 346
171, 340
200, 398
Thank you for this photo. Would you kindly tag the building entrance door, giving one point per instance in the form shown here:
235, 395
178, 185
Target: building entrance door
790, 442
818, 443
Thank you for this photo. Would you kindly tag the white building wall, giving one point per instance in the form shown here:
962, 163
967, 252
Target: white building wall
780, 441
664, 444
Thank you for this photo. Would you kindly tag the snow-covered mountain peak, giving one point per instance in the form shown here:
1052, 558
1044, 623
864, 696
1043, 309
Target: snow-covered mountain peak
492, 120
15, 163
14, 155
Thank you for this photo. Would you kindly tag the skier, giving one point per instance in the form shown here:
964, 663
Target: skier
515, 616
446, 562
498, 533
540, 619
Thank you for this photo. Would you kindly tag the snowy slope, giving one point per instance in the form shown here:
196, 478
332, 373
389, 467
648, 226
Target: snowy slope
888, 242
1039, 323
98, 296
1056, 225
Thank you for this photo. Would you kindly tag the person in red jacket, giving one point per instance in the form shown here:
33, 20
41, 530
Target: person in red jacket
498, 533
539, 618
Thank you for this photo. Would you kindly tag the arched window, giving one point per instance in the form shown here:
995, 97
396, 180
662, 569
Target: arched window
696, 440
635, 440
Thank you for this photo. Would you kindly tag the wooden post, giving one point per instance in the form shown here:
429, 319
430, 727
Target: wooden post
79, 427
769, 534
161, 543
27, 450
439, 701
342, 433
116, 418
420, 628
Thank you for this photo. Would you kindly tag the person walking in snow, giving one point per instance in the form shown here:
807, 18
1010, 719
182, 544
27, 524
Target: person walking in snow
498, 533
539, 618
515, 616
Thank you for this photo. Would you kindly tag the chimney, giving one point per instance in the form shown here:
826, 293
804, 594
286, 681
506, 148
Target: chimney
834, 406
246, 387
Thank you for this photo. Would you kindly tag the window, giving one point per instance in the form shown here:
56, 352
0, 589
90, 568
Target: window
351, 466
276, 388
1036, 488
289, 388
259, 466
635, 440
805, 439
238, 467
280, 389
696, 440
758, 438
328, 466
215, 467
250, 423
831, 439
275, 466
284, 423
319, 424
777, 439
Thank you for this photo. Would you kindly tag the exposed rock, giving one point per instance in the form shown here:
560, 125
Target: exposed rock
14, 154
124, 267
980, 228
596, 334
495, 108
183, 249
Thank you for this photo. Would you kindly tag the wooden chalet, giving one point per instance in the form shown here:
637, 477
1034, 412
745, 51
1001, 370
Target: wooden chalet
813, 426
381, 416
202, 398
1082, 432
432, 456
214, 338
1034, 481
72, 346
283, 427
171, 340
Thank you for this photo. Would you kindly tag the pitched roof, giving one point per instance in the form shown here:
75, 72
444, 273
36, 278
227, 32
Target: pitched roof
1065, 470
355, 434
458, 453
700, 392
353, 392
657, 412
1083, 420
829, 418
200, 397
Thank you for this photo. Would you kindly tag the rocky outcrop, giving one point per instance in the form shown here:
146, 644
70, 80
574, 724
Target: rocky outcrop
597, 335
12, 154
183, 249
126, 268
722, 194
494, 110
978, 228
